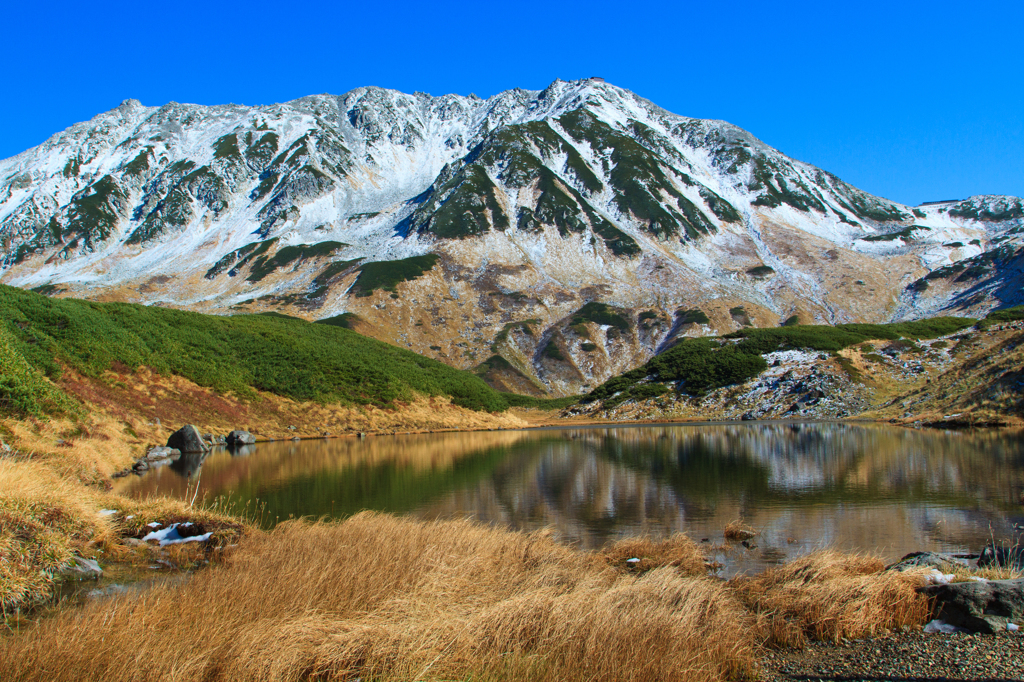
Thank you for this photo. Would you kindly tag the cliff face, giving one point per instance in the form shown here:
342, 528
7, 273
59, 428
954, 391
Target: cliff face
552, 239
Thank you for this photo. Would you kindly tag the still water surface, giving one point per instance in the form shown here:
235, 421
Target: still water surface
804, 486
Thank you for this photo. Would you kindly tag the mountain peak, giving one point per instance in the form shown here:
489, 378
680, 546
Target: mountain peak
478, 214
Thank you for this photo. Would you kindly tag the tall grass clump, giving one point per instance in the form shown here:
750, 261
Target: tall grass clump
828, 596
41, 518
384, 598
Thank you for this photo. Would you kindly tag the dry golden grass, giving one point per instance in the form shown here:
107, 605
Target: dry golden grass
828, 595
53, 483
679, 551
737, 530
46, 519
387, 598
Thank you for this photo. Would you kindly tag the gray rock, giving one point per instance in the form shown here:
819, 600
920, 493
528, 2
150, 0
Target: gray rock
82, 569
238, 438
928, 560
161, 453
979, 606
187, 439
1005, 557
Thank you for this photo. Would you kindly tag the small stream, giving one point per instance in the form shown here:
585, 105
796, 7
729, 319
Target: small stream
853, 487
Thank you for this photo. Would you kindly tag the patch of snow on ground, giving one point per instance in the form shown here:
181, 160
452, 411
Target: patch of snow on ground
937, 577
938, 626
171, 536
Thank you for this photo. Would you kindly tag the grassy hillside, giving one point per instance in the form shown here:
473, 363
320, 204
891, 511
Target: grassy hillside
280, 355
697, 366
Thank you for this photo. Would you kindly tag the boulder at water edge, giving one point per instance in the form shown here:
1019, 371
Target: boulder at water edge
1004, 557
979, 606
237, 438
82, 569
187, 439
161, 453
929, 560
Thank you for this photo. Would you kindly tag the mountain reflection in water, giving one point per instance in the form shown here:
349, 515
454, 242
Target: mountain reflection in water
804, 486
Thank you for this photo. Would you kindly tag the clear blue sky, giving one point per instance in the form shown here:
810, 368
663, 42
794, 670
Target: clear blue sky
921, 101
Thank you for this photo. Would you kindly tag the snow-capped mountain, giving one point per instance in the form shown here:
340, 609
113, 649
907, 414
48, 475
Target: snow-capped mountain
561, 235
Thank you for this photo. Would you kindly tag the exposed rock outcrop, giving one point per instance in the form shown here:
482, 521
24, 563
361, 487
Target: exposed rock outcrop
188, 439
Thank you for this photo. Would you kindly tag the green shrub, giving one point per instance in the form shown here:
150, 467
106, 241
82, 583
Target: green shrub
284, 257
1005, 315
696, 365
692, 316
24, 390
277, 354
601, 313
345, 320
761, 271
387, 274
824, 338
552, 351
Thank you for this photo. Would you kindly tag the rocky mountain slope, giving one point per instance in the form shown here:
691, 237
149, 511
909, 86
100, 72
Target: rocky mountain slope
551, 239
972, 377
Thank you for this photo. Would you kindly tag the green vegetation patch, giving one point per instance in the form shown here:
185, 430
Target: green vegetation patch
695, 365
261, 152
637, 392
825, 338
265, 265
768, 179
502, 336
640, 177
139, 165
345, 320
387, 275
976, 267
289, 357
227, 148
740, 316
46, 289
906, 234
552, 351
761, 271
464, 213
1013, 314
321, 283
601, 313
24, 389
692, 316
1012, 209
93, 214
239, 257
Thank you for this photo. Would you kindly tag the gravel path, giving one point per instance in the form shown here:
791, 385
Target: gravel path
914, 657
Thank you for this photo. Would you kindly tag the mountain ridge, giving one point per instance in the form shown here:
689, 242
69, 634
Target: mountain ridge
532, 204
